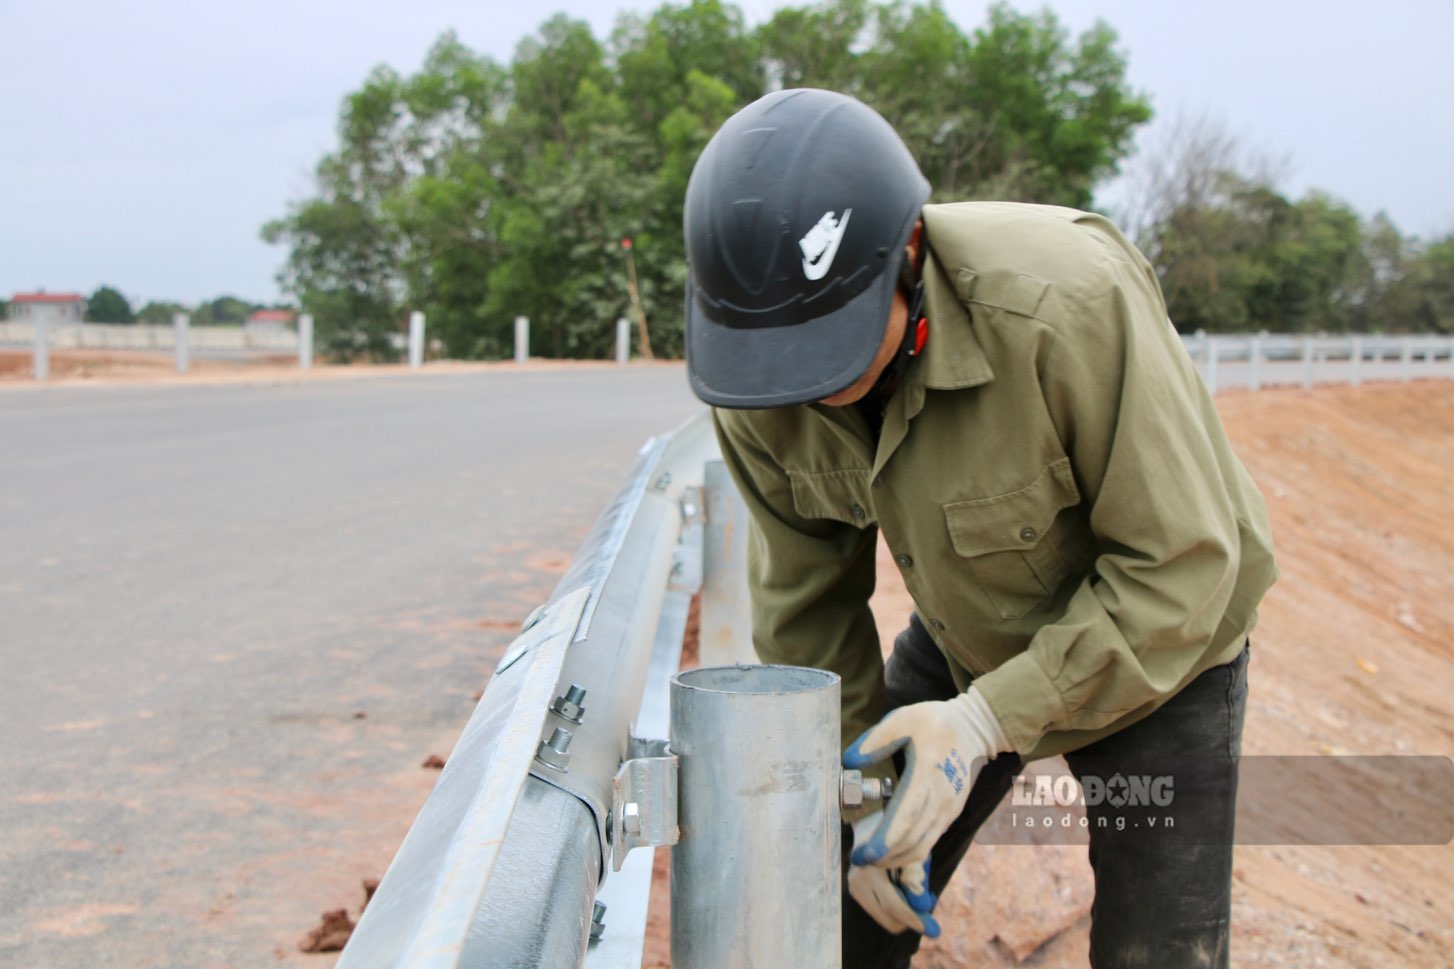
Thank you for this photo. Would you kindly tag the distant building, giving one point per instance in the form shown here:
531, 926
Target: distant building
47, 307
269, 321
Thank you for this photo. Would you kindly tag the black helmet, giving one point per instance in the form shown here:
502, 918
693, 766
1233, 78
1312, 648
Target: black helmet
796, 218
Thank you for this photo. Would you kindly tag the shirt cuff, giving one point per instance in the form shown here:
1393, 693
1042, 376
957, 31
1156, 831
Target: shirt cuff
1023, 700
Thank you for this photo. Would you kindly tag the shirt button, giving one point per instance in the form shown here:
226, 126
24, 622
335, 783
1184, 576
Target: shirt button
938, 626
858, 513
906, 560
1027, 534
878, 481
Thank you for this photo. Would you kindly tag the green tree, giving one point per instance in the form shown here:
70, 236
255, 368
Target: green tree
223, 311
159, 312
107, 305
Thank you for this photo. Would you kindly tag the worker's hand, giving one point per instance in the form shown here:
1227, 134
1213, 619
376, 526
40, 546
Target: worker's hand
898, 903
945, 743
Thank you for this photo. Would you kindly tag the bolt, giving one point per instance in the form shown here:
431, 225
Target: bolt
568, 706
664, 481
689, 510
858, 790
631, 818
553, 752
598, 922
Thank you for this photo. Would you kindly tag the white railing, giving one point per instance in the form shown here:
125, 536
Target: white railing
144, 336
1256, 360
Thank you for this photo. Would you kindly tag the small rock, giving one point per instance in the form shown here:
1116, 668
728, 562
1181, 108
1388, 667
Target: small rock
370, 885
433, 762
330, 935
1367, 665
360, 715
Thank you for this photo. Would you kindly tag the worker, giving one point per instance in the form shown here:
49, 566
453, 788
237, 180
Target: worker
995, 388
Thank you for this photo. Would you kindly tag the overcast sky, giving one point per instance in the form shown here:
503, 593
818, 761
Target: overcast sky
143, 144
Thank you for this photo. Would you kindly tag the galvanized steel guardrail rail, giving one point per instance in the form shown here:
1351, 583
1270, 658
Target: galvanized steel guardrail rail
512, 858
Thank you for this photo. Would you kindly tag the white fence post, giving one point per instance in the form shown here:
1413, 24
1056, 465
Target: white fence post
305, 341
40, 358
623, 340
1356, 355
1406, 359
522, 339
1307, 361
416, 339
1254, 361
180, 324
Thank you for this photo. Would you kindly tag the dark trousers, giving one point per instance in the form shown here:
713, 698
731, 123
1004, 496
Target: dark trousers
1163, 897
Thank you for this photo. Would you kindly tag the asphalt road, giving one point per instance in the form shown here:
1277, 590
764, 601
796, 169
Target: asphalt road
235, 619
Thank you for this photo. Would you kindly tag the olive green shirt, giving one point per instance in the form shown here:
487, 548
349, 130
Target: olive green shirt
1051, 478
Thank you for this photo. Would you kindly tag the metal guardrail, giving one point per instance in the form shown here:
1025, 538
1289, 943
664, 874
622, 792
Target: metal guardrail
1258, 360
512, 857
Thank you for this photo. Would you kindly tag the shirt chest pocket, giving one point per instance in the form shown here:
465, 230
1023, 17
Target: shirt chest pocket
1011, 543
839, 495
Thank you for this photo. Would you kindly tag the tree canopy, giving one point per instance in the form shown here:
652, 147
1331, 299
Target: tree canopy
478, 192
107, 305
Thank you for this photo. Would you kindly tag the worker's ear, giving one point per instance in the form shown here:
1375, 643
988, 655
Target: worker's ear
914, 247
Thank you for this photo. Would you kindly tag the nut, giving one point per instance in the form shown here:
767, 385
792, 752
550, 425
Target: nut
553, 753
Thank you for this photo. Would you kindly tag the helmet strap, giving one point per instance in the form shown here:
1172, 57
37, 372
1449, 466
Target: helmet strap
916, 337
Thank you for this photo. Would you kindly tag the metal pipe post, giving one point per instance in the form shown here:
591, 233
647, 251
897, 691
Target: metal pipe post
40, 359
1254, 362
1406, 360
1356, 353
522, 339
416, 339
180, 324
756, 879
305, 341
1213, 355
623, 340
1307, 361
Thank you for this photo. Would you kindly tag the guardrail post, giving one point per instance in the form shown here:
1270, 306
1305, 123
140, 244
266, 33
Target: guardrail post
623, 340
40, 358
759, 789
416, 339
1406, 359
1209, 343
1307, 361
522, 339
1356, 354
725, 624
1254, 362
305, 341
181, 322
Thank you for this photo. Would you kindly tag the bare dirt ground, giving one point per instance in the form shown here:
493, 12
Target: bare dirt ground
1354, 655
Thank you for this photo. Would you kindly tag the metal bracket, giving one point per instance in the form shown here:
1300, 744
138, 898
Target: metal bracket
644, 800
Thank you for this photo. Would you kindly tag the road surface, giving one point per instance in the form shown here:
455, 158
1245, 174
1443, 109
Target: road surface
235, 619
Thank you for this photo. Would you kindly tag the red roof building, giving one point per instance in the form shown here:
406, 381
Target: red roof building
49, 307
270, 318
